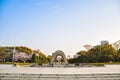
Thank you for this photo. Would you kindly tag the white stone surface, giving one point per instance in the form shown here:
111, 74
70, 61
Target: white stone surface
60, 70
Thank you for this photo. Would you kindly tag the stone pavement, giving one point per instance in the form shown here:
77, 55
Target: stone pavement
109, 72
60, 70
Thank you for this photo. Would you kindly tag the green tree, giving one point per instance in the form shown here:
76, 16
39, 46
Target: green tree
83, 57
34, 58
102, 53
24, 49
3, 54
49, 58
73, 60
93, 54
82, 52
98, 53
42, 59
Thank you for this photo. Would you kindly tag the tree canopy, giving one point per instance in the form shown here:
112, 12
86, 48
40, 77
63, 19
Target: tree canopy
98, 53
39, 57
3, 53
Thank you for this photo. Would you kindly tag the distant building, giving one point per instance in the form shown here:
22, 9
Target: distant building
104, 42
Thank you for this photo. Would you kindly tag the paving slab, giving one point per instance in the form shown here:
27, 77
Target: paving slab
60, 70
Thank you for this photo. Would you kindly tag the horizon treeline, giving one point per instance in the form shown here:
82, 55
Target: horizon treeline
100, 53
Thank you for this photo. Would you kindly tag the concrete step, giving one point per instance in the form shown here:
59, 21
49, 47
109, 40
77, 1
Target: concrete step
13, 76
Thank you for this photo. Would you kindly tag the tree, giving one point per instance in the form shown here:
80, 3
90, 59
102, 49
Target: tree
93, 54
3, 54
87, 47
49, 58
82, 52
39, 57
102, 53
98, 53
23, 49
116, 45
82, 59
34, 58
8, 50
42, 59
73, 60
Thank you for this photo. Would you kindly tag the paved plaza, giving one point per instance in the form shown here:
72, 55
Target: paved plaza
108, 72
60, 70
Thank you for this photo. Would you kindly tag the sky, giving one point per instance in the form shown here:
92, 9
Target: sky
50, 25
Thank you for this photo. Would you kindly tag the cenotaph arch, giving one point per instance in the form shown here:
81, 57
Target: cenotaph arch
59, 53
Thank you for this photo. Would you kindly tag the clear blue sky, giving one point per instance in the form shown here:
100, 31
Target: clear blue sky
51, 25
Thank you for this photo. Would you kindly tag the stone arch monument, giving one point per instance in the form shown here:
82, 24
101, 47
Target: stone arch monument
59, 53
